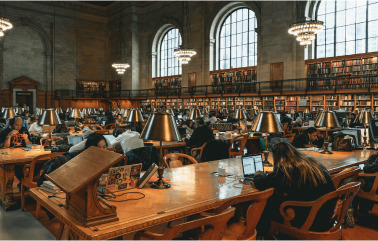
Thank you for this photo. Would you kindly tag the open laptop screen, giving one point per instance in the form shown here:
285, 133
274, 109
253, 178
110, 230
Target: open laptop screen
73, 140
252, 164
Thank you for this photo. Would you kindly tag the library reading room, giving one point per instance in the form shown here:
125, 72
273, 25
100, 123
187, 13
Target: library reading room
235, 120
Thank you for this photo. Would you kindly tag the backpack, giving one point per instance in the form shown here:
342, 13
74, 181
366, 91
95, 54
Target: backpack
342, 142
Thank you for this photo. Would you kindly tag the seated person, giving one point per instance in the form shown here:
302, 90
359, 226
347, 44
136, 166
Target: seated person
286, 119
15, 135
61, 128
295, 177
201, 134
298, 121
309, 138
81, 145
189, 126
24, 124
35, 128
352, 118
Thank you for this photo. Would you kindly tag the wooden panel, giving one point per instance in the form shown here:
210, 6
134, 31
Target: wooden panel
276, 76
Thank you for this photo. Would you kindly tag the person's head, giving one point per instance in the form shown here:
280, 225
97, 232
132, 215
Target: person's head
312, 133
352, 115
16, 123
95, 139
294, 163
199, 122
119, 116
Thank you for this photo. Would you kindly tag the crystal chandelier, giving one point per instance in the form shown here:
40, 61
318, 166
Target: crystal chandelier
185, 54
121, 67
5, 25
306, 31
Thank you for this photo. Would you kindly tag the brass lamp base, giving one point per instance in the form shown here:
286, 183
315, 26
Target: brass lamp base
266, 162
325, 148
160, 184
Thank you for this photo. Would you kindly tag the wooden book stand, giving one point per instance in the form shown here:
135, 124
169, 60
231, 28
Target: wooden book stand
78, 178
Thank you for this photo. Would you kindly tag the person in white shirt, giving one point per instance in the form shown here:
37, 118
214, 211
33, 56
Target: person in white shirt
35, 129
213, 119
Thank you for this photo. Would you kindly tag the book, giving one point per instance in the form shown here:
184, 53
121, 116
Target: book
153, 168
53, 191
49, 185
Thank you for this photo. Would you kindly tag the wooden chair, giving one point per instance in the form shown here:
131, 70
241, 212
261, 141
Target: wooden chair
109, 126
103, 132
197, 151
211, 228
44, 140
372, 194
344, 194
178, 160
289, 136
237, 145
29, 180
350, 172
97, 127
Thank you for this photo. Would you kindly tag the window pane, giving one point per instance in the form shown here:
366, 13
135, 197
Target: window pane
361, 30
350, 47
330, 20
340, 18
360, 46
340, 34
351, 16
373, 11
361, 14
372, 44
350, 33
169, 63
330, 35
320, 51
329, 50
340, 49
373, 29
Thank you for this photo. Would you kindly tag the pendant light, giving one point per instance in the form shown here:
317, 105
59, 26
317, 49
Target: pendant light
121, 66
185, 54
5, 24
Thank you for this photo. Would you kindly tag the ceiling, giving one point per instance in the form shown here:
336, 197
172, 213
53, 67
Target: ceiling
100, 3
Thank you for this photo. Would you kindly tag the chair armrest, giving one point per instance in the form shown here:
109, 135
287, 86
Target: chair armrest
367, 175
26, 171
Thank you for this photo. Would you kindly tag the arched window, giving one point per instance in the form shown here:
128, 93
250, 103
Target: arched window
351, 28
169, 63
238, 40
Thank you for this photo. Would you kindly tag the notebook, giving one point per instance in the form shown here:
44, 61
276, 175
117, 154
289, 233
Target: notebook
73, 140
252, 164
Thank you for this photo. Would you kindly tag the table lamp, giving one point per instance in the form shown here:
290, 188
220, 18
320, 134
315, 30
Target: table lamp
68, 110
206, 111
135, 116
161, 127
85, 112
126, 113
364, 118
194, 114
75, 114
58, 110
8, 114
292, 112
2, 110
327, 119
19, 110
39, 112
267, 122
121, 111
239, 114
50, 118
170, 111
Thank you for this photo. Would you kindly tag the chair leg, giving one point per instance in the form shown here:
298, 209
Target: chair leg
22, 197
37, 210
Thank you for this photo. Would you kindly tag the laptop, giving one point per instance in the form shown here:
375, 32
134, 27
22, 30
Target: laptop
109, 137
252, 164
73, 140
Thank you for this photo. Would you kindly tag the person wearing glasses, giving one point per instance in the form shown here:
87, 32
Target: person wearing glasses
295, 177
309, 138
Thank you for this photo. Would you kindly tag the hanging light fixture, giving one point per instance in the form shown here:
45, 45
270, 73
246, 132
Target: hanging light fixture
5, 24
185, 54
306, 31
121, 67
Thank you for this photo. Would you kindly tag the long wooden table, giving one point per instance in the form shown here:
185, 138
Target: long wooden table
8, 161
194, 189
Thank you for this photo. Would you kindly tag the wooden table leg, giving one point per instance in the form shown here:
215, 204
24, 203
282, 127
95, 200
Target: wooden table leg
6, 185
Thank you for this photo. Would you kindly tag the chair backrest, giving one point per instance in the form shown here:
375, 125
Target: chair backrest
178, 160
212, 227
29, 169
237, 145
350, 172
215, 150
145, 155
44, 140
109, 126
372, 194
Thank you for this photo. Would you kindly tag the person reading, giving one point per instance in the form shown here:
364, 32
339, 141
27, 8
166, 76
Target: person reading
309, 138
15, 135
295, 177
201, 134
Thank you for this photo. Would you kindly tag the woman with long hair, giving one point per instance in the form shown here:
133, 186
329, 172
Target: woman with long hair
295, 177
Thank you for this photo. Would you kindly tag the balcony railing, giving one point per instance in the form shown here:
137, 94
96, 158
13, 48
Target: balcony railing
308, 85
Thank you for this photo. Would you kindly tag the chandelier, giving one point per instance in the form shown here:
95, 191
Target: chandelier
185, 54
306, 31
121, 67
5, 25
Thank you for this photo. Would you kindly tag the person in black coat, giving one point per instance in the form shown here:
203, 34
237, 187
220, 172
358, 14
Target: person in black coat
309, 138
295, 177
201, 134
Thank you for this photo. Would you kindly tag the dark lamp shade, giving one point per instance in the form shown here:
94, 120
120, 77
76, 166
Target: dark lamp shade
76, 114
328, 119
240, 115
59, 110
194, 114
135, 116
39, 112
68, 110
85, 112
160, 126
126, 113
121, 111
267, 122
170, 111
319, 116
19, 110
49, 117
364, 117
8, 113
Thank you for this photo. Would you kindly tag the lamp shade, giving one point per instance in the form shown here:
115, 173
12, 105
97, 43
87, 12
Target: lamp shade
49, 117
58, 110
161, 126
306, 111
39, 112
194, 114
69, 109
328, 119
170, 111
267, 122
121, 111
8, 113
206, 111
319, 116
240, 115
292, 111
135, 116
19, 110
126, 113
363, 117
76, 114
85, 112
356, 111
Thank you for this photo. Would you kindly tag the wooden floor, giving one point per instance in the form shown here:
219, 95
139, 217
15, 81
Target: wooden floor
366, 227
